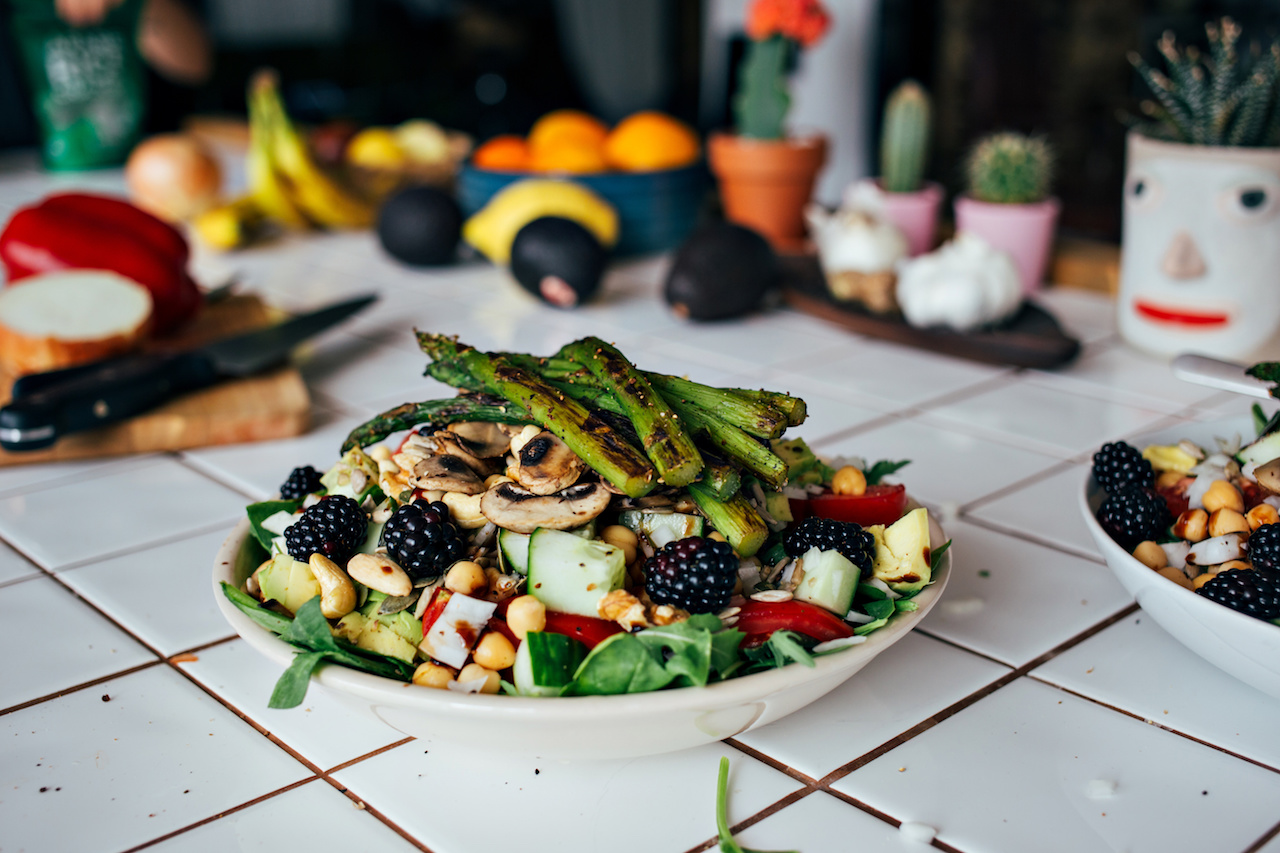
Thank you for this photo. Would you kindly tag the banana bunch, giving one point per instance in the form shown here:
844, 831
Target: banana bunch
286, 186
492, 229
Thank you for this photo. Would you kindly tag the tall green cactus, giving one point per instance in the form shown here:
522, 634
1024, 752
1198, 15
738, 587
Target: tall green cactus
904, 138
1010, 168
762, 100
1230, 97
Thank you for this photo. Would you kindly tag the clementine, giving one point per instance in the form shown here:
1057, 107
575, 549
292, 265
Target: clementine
560, 125
567, 154
648, 141
506, 153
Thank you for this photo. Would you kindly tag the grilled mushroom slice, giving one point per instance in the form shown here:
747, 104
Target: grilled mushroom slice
545, 465
452, 444
509, 506
447, 474
1268, 475
483, 439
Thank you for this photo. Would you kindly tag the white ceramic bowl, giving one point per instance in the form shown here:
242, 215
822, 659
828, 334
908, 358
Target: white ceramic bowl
1245, 647
587, 727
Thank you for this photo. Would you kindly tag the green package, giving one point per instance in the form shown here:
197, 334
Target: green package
87, 84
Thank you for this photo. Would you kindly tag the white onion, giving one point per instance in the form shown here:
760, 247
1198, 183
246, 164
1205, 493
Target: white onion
173, 176
1219, 549
1176, 552
1200, 485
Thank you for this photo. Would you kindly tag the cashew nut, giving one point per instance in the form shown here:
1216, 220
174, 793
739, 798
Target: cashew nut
337, 594
380, 572
465, 510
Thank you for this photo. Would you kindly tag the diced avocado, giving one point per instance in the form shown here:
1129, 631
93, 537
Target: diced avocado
377, 637
545, 663
661, 527
277, 522
903, 552
778, 505
273, 578
303, 586
1261, 451
571, 574
338, 480
803, 466
830, 579
350, 627
402, 623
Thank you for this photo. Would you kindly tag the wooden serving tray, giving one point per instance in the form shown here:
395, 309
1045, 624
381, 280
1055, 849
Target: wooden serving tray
1031, 338
271, 405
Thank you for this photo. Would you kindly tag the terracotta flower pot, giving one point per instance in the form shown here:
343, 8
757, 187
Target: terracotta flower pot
1025, 231
1200, 250
765, 184
915, 213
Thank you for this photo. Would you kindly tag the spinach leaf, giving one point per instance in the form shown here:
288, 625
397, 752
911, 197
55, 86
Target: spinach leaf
274, 622
727, 843
882, 469
726, 656
782, 648
879, 611
291, 689
620, 664
685, 648
935, 558
260, 512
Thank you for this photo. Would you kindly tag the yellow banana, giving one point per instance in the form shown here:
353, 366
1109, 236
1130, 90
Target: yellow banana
231, 225
267, 187
493, 228
323, 200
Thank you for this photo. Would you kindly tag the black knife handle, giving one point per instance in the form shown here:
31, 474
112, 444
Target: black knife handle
117, 390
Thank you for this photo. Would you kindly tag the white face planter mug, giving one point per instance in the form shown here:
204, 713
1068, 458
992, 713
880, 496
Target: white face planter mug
1200, 267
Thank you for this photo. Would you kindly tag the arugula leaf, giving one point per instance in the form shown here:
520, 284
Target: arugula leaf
263, 510
882, 469
727, 842
1263, 425
291, 689
726, 656
274, 622
685, 648
782, 648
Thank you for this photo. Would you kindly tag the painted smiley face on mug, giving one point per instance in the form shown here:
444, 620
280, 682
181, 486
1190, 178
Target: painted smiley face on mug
1201, 262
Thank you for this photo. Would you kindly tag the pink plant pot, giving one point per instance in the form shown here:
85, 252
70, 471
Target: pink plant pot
1025, 231
915, 214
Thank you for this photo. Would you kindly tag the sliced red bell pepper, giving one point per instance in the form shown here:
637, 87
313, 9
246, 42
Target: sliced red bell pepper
880, 504
759, 619
435, 607
586, 629
154, 230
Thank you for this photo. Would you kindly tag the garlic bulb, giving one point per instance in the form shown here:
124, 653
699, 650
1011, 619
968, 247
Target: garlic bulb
855, 241
963, 285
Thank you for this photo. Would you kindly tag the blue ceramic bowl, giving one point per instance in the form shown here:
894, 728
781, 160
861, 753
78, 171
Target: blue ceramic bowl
656, 210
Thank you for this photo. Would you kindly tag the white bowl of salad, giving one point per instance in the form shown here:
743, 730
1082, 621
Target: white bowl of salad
1204, 568
577, 559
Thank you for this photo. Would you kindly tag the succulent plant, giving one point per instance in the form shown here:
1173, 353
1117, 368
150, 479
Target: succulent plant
1229, 97
1010, 168
904, 138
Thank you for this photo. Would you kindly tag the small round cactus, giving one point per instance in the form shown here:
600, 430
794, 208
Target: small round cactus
1010, 168
904, 140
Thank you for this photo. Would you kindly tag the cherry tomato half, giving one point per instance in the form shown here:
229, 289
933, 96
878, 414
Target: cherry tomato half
880, 504
586, 629
759, 619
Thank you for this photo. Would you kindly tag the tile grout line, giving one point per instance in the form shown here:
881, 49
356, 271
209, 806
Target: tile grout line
887, 818
376, 813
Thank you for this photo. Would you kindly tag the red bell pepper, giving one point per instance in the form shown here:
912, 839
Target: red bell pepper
95, 232
880, 504
588, 630
759, 619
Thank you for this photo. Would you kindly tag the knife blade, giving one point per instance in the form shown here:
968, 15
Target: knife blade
1216, 373
46, 406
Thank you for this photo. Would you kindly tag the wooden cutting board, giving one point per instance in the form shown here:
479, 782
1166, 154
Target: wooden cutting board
271, 405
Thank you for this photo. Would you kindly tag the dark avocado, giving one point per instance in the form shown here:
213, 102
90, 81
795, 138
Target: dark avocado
420, 226
722, 271
558, 261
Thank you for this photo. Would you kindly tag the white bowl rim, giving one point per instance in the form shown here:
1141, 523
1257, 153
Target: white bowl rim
720, 694
1190, 599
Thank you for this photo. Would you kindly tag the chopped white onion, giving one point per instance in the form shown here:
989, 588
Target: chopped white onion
857, 618
1176, 552
1219, 549
884, 587
838, 643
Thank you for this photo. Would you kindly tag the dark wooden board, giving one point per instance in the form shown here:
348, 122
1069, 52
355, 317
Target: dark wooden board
1031, 338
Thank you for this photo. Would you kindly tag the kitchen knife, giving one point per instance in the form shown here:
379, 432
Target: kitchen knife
1223, 375
48, 405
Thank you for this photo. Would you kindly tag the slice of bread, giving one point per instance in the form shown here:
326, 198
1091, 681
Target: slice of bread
71, 317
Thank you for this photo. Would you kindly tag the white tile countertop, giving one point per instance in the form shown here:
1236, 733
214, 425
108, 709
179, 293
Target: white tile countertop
131, 716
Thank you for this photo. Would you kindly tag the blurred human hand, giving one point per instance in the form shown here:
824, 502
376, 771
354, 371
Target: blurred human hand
84, 13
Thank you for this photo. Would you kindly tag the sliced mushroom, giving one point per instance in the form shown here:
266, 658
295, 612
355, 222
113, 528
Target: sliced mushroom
511, 507
448, 443
446, 473
545, 465
485, 440
1268, 475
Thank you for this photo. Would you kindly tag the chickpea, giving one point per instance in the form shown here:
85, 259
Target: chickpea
1168, 479
1151, 555
1223, 495
717, 536
1227, 521
1262, 514
624, 539
432, 675
1232, 564
474, 672
494, 651
1200, 580
1192, 525
849, 481
525, 614
465, 577
1175, 575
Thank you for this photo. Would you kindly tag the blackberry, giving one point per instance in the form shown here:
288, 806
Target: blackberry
302, 482
826, 534
1118, 464
694, 574
335, 527
1264, 547
1134, 514
421, 538
1253, 592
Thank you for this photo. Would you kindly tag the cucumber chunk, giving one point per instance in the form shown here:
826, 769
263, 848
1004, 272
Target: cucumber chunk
830, 580
571, 574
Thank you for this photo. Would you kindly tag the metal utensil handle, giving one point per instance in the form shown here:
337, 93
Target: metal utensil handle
1216, 373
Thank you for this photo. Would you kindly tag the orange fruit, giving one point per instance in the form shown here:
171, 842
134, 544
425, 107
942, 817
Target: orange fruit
561, 125
567, 154
650, 140
506, 153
